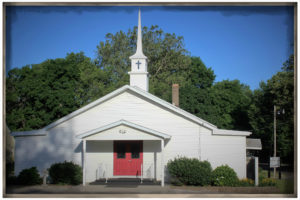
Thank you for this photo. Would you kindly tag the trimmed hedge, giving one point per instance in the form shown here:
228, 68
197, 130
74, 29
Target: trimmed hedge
66, 173
190, 171
29, 176
224, 176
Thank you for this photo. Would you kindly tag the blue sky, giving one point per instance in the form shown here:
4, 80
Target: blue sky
245, 43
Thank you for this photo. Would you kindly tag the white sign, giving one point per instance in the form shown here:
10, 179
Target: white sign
274, 162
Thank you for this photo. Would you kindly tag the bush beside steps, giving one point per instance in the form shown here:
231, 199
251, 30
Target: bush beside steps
66, 173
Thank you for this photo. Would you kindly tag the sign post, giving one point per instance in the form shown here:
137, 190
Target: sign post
274, 162
274, 140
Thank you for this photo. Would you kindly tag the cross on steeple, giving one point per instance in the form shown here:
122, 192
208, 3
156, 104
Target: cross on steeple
138, 64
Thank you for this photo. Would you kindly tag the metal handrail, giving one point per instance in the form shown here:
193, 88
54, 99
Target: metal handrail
142, 173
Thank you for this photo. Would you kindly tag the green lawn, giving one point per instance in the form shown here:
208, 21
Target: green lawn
285, 184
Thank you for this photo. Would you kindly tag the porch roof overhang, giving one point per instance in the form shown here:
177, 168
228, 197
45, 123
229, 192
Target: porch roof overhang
39, 132
231, 132
253, 144
152, 132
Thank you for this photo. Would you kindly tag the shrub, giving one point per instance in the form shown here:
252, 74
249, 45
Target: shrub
175, 181
10, 178
29, 176
245, 182
224, 176
190, 171
267, 182
10, 168
65, 173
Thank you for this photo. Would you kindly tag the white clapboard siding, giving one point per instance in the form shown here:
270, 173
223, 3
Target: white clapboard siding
139, 111
221, 150
42, 151
99, 155
187, 138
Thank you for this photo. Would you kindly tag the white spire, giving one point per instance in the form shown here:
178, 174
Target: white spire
138, 74
139, 47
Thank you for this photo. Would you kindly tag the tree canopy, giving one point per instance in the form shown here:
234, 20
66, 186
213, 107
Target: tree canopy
168, 60
39, 94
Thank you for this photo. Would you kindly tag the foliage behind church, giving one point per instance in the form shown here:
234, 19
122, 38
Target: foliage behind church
39, 94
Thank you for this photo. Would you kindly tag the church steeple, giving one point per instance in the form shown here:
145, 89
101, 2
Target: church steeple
138, 73
139, 46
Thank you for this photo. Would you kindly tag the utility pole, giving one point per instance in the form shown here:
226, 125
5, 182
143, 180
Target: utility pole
274, 138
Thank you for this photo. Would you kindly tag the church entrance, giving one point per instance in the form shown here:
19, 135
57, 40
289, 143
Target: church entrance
128, 158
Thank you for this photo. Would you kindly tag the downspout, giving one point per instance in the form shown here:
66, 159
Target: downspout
199, 143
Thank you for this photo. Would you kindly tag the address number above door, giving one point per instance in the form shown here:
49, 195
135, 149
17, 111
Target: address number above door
122, 131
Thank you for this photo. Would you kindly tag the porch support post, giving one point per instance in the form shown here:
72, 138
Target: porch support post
84, 164
162, 163
256, 170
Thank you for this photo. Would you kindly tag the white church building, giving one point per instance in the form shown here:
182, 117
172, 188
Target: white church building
130, 133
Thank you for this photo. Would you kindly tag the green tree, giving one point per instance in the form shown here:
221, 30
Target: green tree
230, 100
279, 91
42, 93
167, 59
39, 94
195, 96
224, 103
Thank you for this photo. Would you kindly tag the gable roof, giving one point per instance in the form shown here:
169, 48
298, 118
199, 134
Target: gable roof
39, 132
136, 91
126, 123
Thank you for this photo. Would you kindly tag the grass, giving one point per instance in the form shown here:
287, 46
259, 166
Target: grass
285, 184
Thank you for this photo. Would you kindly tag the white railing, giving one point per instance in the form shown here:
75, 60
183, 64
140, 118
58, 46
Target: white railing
150, 171
104, 171
142, 173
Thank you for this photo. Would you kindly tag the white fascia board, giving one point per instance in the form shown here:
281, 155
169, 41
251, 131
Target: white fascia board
231, 132
253, 148
39, 132
126, 123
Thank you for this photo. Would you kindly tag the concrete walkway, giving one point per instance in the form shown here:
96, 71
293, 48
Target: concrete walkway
135, 190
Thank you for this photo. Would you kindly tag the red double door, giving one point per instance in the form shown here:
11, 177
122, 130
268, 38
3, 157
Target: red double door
128, 158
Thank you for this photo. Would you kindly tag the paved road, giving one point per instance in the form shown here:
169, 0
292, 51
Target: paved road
136, 190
